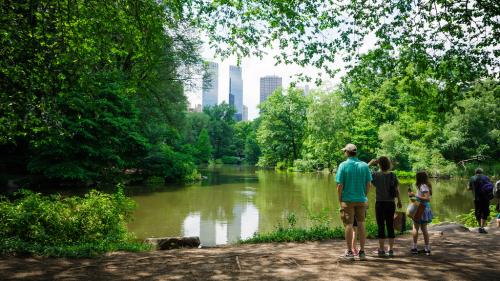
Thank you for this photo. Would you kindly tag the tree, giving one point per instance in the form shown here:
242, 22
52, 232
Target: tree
203, 148
88, 87
473, 127
220, 128
394, 146
194, 123
242, 130
313, 32
252, 150
327, 125
283, 127
99, 137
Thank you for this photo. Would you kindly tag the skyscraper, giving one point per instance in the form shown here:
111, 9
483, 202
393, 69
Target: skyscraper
236, 91
245, 113
210, 85
268, 84
305, 88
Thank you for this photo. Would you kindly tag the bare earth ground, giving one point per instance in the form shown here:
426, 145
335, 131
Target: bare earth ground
462, 256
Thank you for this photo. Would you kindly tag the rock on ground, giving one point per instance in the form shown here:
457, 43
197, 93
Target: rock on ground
168, 243
448, 227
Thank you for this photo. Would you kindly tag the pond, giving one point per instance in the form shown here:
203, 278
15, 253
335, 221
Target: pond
234, 202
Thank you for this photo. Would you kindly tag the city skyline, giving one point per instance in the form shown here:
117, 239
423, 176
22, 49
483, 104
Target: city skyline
251, 72
236, 91
211, 94
210, 88
268, 84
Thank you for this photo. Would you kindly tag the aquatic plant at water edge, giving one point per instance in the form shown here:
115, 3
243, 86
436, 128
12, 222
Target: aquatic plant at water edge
320, 229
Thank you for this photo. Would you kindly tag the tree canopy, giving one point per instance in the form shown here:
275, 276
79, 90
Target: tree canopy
313, 32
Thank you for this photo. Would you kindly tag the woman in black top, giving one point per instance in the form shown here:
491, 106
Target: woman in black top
386, 184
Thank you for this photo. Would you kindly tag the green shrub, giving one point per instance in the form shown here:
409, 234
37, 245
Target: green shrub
320, 229
173, 166
305, 165
71, 226
405, 174
281, 166
469, 219
230, 160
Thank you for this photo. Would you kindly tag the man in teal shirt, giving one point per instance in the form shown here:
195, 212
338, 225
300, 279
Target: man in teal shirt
353, 182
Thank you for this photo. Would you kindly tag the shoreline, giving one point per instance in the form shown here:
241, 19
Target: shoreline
455, 256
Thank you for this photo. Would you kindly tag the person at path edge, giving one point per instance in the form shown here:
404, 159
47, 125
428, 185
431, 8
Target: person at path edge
386, 184
481, 203
353, 182
423, 196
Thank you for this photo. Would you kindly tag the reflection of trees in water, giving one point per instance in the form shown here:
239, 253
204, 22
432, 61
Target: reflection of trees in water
166, 210
449, 198
282, 193
273, 194
452, 198
319, 192
275, 197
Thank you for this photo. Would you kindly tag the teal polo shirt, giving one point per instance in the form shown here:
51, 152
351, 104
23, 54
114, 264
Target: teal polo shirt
353, 174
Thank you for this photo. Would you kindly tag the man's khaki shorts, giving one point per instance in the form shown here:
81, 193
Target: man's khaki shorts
350, 209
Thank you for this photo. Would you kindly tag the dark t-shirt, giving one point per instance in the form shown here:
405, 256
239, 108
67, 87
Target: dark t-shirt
382, 183
475, 183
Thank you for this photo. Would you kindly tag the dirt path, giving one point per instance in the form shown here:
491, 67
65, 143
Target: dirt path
464, 256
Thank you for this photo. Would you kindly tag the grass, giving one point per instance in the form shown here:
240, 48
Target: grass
320, 230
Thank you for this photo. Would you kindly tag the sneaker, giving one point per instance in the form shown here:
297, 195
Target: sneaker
348, 256
414, 251
427, 252
391, 253
362, 255
482, 230
381, 253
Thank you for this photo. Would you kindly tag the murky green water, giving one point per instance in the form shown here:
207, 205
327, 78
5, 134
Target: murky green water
235, 202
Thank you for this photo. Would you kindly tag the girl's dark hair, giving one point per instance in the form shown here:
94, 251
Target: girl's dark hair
423, 178
384, 163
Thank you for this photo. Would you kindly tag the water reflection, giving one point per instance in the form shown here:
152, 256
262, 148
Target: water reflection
235, 202
214, 232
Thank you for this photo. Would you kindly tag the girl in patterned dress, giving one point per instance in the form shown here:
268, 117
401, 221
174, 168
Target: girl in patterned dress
424, 193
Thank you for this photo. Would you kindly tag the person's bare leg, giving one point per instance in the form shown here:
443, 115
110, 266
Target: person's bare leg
425, 233
483, 223
354, 232
415, 234
381, 244
348, 236
362, 235
391, 243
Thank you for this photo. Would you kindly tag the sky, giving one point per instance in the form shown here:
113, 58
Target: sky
254, 68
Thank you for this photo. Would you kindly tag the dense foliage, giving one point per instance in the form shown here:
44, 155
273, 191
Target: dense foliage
90, 89
282, 128
319, 32
66, 226
422, 113
215, 135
